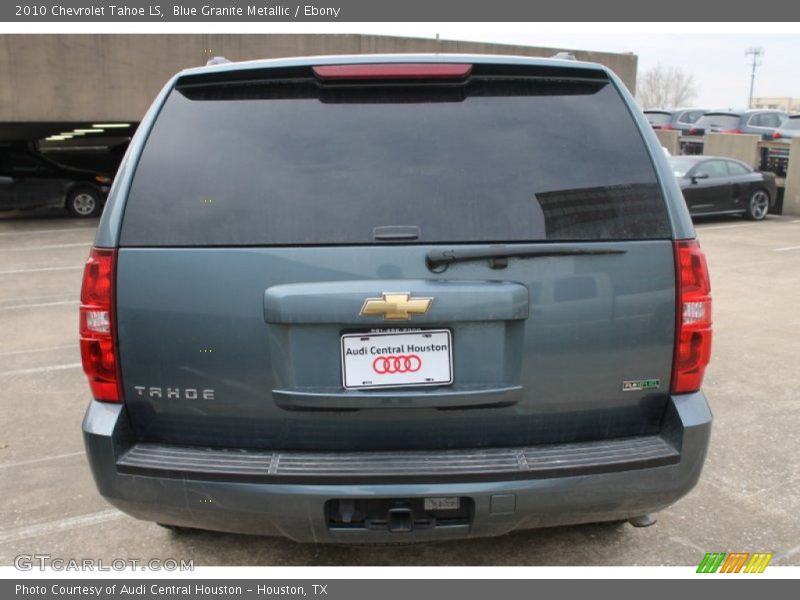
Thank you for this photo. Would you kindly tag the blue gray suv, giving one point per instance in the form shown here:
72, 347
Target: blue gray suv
395, 298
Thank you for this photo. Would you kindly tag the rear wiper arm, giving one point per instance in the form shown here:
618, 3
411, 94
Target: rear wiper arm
439, 260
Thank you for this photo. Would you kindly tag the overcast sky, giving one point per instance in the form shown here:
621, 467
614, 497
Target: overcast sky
717, 61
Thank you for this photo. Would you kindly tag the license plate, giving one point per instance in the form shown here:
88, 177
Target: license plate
379, 360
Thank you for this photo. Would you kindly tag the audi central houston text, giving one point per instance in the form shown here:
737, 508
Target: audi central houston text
357, 299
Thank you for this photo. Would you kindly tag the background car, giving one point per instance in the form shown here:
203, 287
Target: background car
29, 180
778, 157
714, 185
788, 130
756, 121
679, 119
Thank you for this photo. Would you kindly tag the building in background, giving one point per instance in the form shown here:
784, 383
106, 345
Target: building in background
80, 97
790, 105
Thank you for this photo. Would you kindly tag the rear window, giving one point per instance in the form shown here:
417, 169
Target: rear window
681, 165
792, 124
725, 121
690, 116
294, 162
658, 118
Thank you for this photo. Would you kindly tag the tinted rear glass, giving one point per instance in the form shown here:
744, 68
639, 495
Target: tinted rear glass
658, 118
690, 116
297, 163
792, 124
723, 121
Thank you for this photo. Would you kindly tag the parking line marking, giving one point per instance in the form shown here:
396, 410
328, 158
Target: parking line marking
39, 269
50, 247
31, 351
22, 533
787, 248
30, 231
41, 369
41, 304
38, 460
713, 227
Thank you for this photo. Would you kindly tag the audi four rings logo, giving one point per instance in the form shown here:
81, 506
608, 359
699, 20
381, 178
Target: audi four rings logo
404, 363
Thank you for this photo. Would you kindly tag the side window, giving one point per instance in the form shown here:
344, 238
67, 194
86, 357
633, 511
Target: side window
712, 168
765, 120
695, 116
737, 169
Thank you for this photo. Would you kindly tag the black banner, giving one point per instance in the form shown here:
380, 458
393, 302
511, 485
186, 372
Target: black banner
356, 589
406, 11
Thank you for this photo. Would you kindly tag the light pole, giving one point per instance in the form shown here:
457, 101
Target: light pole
756, 52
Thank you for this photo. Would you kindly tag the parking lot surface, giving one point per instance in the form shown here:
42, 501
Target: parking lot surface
747, 500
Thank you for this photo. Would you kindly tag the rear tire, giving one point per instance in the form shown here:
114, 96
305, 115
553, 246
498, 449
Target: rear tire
84, 203
758, 206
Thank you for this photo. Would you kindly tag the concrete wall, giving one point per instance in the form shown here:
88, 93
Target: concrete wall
670, 140
791, 195
740, 147
115, 77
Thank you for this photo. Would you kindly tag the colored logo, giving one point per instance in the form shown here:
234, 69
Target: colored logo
640, 384
405, 363
396, 306
734, 562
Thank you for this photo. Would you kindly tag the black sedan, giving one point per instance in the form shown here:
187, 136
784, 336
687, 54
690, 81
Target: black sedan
29, 180
715, 185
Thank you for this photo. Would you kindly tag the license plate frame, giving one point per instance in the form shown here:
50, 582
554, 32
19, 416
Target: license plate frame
435, 366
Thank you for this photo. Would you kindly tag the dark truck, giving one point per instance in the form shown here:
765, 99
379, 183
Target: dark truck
403, 298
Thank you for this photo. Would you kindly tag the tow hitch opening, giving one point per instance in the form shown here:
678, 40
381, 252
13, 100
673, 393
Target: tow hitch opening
397, 515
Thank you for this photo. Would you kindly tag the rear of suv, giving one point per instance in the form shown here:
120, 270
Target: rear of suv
403, 298
761, 122
676, 119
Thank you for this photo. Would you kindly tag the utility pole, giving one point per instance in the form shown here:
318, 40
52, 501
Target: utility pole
756, 52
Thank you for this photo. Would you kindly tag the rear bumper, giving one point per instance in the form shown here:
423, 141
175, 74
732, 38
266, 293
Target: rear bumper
284, 494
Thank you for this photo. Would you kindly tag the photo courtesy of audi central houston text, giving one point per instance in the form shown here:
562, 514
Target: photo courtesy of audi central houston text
396, 298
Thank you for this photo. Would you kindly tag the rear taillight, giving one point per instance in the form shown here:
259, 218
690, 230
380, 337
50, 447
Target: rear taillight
98, 338
731, 131
693, 328
693, 131
668, 128
776, 136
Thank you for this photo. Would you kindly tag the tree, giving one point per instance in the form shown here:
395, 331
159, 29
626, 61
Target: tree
665, 87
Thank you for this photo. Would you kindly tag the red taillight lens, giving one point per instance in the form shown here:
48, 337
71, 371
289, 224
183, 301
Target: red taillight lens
693, 131
776, 136
394, 71
731, 131
98, 341
668, 128
693, 330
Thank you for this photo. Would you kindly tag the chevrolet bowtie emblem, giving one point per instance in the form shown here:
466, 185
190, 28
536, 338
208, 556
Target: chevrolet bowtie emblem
396, 306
